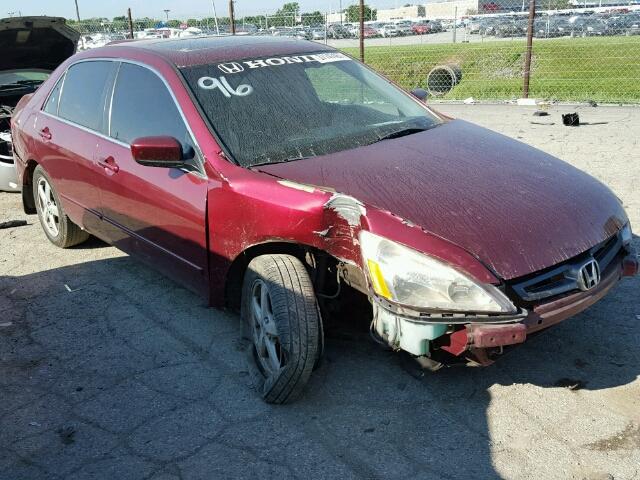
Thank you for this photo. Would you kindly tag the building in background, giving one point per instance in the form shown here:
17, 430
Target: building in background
400, 13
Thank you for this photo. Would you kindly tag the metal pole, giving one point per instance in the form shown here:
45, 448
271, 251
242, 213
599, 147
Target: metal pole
232, 18
455, 23
340, 12
130, 23
362, 30
527, 58
77, 11
215, 17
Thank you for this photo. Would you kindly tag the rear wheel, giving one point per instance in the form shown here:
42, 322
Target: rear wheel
281, 323
60, 231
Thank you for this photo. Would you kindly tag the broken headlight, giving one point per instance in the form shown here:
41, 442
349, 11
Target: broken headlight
410, 278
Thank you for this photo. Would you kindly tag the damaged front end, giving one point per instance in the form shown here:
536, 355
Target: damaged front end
471, 338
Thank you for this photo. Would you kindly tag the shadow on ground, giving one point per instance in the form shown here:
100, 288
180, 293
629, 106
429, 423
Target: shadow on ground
126, 375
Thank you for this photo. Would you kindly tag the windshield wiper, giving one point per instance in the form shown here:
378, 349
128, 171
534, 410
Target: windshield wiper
284, 160
401, 133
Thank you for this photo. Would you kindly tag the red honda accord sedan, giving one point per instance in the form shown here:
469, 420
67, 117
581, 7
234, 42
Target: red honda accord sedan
277, 175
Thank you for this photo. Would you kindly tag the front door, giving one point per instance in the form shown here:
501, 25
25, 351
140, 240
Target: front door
158, 214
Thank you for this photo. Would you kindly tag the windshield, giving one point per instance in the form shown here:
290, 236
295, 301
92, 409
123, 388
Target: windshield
22, 77
271, 110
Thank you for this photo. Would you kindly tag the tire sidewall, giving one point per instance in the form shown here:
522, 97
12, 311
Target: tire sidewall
57, 240
271, 387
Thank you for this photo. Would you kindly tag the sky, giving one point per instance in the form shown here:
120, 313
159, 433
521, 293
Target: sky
179, 8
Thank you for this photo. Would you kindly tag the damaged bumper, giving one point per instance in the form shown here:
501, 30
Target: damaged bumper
475, 337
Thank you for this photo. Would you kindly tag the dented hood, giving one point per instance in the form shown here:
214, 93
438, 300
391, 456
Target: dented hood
515, 208
35, 43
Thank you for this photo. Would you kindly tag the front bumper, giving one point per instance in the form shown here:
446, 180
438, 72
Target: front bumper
456, 335
8, 177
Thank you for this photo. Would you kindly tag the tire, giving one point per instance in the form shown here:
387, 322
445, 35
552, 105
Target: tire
60, 231
284, 345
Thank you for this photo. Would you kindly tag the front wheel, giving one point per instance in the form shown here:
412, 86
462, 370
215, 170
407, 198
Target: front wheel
281, 322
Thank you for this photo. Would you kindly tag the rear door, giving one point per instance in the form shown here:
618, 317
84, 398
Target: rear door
158, 214
68, 129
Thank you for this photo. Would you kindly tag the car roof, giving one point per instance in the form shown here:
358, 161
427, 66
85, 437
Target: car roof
202, 50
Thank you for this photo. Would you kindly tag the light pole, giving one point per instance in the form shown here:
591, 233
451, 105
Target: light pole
77, 11
166, 12
215, 16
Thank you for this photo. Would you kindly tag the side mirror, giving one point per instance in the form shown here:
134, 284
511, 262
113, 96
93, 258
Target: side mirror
157, 152
420, 94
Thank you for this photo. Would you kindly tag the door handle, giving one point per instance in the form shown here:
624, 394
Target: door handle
45, 133
110, 164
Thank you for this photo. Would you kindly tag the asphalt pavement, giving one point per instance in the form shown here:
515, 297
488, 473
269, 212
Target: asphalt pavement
109, 370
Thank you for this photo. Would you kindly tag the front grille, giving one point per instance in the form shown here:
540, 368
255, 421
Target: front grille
564, 278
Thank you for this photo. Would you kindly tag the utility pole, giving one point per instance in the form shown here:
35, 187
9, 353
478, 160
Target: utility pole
362, 30
215, 16
340, 12
130, 24
77, 11
232, 18
166, 12
527, 58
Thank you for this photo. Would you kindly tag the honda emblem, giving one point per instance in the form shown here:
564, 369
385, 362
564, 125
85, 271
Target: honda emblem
589, 275
232, 67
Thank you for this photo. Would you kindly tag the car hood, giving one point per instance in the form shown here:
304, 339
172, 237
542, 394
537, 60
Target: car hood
35, 42
516, 208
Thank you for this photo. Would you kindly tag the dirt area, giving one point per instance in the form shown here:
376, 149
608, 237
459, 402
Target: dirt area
109, 370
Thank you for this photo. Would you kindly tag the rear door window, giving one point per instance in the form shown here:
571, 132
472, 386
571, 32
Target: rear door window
142, 107
84, 92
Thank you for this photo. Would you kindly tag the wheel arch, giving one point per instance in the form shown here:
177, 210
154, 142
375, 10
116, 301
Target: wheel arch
28, 201
235, 274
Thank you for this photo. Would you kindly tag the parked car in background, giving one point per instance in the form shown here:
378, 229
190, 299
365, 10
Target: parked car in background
337, 31
404, 27
511, 28
389, 30
421, 28
30, 49
588, 26
161, 148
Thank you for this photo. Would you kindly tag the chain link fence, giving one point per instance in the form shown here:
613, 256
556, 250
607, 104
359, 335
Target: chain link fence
581, 50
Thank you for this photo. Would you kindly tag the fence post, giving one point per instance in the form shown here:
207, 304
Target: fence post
362, 31
455, 23
527, 58
232, 18
130, 23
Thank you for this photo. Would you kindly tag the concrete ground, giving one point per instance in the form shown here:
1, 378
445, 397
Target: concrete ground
108, 370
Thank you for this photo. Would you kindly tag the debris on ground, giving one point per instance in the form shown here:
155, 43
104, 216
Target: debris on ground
34, 424
13, 223
527, 101
591, 103
542, 123
5, 324
540, 113
469, 101
570, 384
571, 119
66, 434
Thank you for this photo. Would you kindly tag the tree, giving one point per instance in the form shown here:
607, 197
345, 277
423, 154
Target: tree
352, 13
555, 4
312, 18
